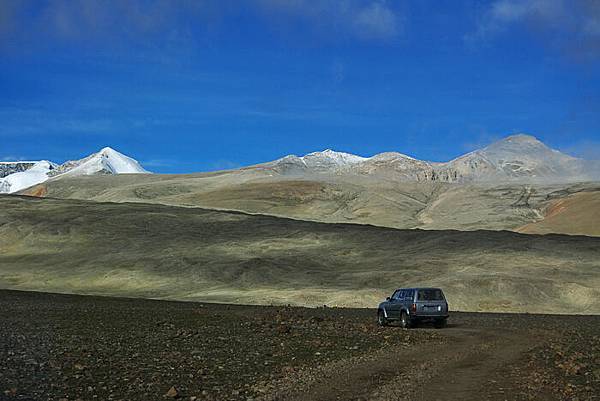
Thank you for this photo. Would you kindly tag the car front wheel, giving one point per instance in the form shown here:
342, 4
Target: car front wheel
381, 319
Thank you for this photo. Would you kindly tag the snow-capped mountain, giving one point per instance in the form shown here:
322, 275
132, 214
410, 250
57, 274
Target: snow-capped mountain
515, 158
106, 161
38, 173
329, 158
325, 161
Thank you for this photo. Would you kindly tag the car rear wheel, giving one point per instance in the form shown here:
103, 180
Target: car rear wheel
381, 319
405, 322
440, 323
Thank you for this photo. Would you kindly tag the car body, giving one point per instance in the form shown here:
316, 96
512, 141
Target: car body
412, 305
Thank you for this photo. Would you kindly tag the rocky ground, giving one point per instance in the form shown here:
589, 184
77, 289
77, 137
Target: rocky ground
67, 347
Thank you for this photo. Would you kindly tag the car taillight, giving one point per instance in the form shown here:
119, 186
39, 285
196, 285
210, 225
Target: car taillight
413, 307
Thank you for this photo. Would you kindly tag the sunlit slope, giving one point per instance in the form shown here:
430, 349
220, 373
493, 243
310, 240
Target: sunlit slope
340, 199
146, 250
577, 214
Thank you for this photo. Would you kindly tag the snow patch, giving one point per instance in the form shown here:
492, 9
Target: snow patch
332, 157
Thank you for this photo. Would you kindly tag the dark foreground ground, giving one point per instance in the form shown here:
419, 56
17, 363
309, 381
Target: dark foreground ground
62, 347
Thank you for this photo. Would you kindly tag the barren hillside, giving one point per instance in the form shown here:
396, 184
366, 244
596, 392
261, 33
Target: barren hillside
159, 251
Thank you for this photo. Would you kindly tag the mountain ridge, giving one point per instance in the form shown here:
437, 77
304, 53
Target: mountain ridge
519, 157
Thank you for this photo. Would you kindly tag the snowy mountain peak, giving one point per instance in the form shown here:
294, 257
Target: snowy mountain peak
329, 156
106, 161
391, 156
107, 150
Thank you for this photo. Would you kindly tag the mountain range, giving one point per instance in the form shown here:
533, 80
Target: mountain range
517, 183
517, 158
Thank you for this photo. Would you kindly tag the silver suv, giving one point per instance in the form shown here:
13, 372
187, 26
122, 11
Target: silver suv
412, 305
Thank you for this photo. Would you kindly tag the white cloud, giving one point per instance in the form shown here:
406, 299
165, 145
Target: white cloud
585, 149
164, 22
376, 21
360, 19
511, 10
573, 26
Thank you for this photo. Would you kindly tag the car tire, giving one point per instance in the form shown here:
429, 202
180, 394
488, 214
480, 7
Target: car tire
440, 323
381, 319
405, 322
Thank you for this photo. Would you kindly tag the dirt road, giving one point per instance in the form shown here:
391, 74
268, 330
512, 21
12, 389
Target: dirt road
56, 347
469, 364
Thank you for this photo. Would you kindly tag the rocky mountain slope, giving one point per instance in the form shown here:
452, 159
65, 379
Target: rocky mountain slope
24, 175
7, 168
517, 158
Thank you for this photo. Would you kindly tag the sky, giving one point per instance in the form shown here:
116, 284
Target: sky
193, 85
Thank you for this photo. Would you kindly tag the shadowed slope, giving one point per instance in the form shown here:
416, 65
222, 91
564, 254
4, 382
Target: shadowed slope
188, 253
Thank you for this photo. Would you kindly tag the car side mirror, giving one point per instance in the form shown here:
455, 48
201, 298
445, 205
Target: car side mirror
387, 298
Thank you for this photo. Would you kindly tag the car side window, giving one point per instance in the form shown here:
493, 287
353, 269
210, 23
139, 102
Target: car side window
409, 295
398, 295
395, 294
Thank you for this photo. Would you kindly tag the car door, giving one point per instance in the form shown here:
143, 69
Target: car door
396, 304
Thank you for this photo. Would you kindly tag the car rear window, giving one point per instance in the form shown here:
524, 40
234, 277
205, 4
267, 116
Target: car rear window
430, 295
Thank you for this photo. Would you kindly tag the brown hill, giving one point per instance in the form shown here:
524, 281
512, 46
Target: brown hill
577, 214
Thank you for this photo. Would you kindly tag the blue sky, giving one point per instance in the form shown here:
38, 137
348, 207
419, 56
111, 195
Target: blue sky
188, 86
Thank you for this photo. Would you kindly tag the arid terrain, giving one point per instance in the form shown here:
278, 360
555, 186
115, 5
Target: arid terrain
351, 199
158, 251
55, 347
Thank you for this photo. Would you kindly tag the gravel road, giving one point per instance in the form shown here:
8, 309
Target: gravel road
68, 347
